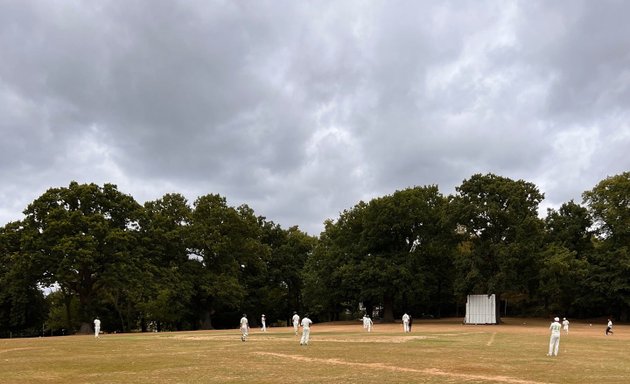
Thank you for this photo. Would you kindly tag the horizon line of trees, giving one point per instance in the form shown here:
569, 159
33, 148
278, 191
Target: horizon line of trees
169, 265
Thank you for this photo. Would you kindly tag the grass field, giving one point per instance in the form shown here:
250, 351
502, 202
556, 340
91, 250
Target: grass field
440, 351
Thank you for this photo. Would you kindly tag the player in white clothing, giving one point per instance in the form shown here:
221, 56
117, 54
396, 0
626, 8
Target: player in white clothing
244, 327
97, 328
565, 325
306, 330
554, 340
405, 320
263, 321
368, 323
296, 322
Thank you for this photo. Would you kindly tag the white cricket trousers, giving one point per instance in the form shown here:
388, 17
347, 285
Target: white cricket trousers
554, 344
306, 335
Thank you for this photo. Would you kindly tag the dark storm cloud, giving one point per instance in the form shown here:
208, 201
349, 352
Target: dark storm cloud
301, 109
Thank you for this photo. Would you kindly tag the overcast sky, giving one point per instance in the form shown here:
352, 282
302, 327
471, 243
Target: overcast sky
301, 109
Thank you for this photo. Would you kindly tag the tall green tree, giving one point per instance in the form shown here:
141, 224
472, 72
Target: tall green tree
77, 236
227, 240
409, 250
503, 236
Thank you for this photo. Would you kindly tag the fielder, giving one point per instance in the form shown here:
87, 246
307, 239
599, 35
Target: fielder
368, 323
609, 327
296, 322
306, 330
244, 327
405, 320
554, 341
565, 325
263, 321
97, 328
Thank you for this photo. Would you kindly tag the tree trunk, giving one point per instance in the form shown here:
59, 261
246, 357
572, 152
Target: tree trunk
143, 324
118, 310
388, 309
497, 307
206, 321
369, 308
439, 299
85, 329
67, 300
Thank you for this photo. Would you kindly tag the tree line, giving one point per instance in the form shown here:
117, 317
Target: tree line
87, 250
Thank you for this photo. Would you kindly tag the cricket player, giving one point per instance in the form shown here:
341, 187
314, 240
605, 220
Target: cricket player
97, 328
554, 341
609, 327
244, 327
368, 323
263, 321
296, 322
565, 325
405, 320
306, 330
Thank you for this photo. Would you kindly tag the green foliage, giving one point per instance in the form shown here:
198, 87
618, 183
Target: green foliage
565, 269
498, 217
279, 292
22, 306
179, 267
79, 237
168, 275
63, 310
228, 241
325, 290
560, 272
609, 205
570, 227
394, 249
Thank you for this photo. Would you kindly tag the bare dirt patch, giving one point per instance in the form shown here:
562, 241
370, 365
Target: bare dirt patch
17, 349
375, 339
427, 371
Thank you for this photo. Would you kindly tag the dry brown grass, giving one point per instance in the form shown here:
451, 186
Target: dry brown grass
443, 351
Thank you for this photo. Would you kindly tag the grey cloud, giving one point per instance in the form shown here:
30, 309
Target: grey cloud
583, 46
302, 109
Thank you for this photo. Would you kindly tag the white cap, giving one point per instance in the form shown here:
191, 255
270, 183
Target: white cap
556, 319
